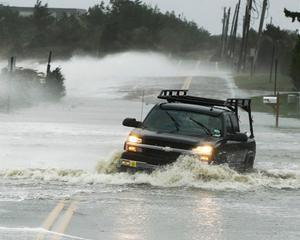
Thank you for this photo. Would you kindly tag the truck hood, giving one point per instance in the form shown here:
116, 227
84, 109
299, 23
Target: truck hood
173, 140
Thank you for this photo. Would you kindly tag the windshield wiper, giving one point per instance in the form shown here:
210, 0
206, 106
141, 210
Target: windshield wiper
207, 130
177, 125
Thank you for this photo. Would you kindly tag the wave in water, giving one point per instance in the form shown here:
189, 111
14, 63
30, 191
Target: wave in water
186, 172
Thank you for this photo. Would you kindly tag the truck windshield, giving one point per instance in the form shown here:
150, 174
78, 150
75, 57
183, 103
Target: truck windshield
183, 122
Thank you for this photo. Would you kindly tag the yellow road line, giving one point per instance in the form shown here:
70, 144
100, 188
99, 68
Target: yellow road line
53, 215
187, 83
65, 220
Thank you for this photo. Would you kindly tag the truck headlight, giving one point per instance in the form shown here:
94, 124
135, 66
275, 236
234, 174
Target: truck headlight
134, 139
131, 143
205, 152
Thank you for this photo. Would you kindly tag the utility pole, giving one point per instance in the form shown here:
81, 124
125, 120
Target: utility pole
49, 63
272, 62
223, 33
277, 95
277, 109
231, 34
275, 82
11, 69
244, 45
261, 25
239, 67
225, 50
249, 10
234, 30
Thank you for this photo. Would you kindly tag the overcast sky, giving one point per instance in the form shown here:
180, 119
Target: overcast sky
206, 13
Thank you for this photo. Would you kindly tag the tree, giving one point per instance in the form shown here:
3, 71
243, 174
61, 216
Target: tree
93, 23
11, 25
42, 22
295, 66
284, 43
68, 31
118, 26
292, 15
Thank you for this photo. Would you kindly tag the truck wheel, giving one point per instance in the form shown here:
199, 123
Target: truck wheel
248, 163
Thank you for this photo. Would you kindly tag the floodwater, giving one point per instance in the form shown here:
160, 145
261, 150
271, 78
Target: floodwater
63, 154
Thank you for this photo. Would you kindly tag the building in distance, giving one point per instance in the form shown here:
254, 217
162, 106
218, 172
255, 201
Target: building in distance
55, 12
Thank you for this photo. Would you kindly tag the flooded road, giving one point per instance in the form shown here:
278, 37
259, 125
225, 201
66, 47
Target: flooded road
57, 175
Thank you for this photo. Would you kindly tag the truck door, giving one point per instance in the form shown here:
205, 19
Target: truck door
241, 148
235, 151
230, 147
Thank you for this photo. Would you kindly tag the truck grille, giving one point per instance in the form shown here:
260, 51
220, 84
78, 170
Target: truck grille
165, 143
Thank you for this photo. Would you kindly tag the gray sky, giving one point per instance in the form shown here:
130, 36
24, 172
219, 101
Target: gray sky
199, 11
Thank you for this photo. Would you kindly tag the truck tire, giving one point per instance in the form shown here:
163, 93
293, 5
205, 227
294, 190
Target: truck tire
248, 163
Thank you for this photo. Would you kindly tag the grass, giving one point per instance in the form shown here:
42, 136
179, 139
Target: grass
262, 82
286, 109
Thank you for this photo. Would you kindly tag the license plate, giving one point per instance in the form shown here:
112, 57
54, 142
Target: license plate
132, 164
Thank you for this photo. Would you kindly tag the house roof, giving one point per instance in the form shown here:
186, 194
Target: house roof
56, 10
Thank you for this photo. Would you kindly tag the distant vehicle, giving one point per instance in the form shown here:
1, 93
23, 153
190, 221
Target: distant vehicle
187, 125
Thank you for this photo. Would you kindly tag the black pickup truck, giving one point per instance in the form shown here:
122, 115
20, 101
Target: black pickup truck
187, 125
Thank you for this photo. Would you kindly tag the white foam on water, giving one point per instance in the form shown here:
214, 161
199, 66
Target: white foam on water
88, 76
186, 172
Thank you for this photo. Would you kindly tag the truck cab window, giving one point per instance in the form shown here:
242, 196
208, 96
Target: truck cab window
229, 126
235, 123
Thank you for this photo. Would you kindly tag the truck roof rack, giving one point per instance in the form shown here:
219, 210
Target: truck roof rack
232, 104
182, 97
172, 93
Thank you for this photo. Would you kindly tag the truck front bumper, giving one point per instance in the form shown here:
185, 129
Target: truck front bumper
125, 164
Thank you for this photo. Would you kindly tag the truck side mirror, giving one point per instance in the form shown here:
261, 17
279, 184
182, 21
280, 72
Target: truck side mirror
132, 122
239, 137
